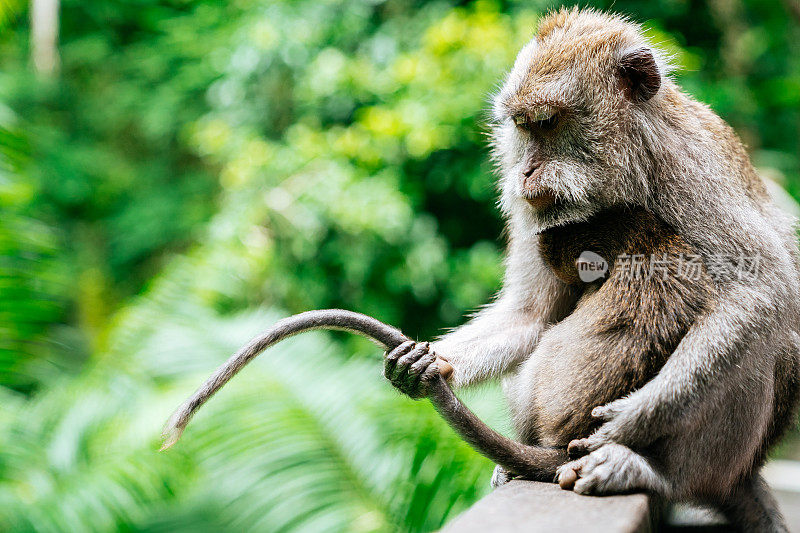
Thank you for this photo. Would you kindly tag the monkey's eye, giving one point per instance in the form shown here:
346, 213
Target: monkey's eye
543, 120
547, 123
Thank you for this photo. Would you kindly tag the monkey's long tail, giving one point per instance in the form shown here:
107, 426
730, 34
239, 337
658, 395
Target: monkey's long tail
534, 462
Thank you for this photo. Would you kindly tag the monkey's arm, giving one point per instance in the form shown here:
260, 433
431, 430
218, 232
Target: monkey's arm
505, 332
714, 345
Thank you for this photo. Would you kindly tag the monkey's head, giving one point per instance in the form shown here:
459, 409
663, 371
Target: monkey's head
569, 122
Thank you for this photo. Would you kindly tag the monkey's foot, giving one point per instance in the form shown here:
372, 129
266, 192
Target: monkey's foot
580, 447
501, 476
611, 469
411, 367
602, 436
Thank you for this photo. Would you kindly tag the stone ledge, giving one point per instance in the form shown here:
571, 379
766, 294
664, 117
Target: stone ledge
531, 506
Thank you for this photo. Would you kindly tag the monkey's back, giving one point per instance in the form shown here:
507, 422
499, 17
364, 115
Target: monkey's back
655, 289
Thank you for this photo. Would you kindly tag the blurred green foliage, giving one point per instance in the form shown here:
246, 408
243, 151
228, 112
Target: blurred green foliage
197, 169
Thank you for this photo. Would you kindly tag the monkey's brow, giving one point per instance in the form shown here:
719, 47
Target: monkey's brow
518, 105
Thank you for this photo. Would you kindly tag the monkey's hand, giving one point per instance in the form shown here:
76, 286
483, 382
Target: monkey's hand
412, 366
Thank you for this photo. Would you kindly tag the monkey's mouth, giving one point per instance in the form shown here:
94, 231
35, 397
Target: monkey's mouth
538, 195
541, 198
548, 206
550, 209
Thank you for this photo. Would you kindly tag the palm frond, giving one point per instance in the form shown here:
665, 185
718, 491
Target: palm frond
301, 441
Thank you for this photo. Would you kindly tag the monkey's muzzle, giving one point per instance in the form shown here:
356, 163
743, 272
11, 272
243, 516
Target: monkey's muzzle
541, 200
538, 196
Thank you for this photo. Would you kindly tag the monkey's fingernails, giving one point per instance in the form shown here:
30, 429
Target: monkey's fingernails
400, 350
445, 368
567, 480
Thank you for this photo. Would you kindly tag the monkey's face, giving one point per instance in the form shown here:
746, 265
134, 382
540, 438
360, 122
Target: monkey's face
562, 123
549, 172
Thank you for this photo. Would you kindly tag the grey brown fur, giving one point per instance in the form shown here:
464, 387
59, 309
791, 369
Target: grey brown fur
671, 385
667, 383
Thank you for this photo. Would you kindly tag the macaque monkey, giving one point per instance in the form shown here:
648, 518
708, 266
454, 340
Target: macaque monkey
635, 351
676, 371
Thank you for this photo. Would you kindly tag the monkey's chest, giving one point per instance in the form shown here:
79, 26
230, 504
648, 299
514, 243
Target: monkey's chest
583, 252
583, 362
621, 331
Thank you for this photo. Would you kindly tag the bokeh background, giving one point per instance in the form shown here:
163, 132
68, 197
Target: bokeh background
175, 175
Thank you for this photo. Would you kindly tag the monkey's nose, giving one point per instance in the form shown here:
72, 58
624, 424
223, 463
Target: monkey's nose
539, 196
532, 167
532, 180
531, 177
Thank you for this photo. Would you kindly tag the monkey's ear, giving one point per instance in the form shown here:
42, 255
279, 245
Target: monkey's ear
639, 76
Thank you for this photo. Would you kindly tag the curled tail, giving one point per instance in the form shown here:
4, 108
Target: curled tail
323, 319
533, 462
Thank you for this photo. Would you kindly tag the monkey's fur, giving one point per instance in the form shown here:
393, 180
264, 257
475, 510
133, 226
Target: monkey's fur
666, 384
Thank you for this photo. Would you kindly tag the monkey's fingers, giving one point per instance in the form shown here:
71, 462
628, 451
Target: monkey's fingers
431, 372
582, 447
417, 368
400, 373
578, 447
413, 384
393, 356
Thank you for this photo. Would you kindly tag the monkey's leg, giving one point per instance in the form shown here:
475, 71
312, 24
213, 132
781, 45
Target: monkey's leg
752, 507
612, 469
